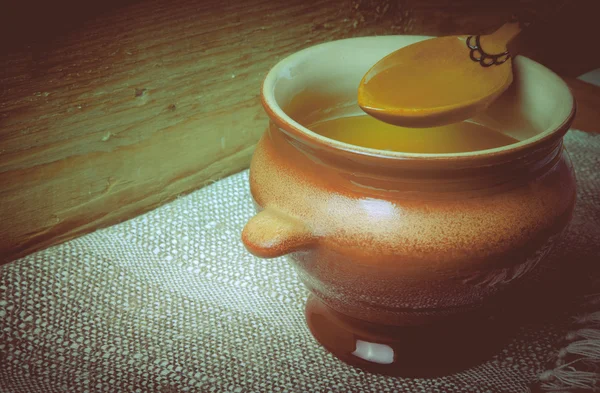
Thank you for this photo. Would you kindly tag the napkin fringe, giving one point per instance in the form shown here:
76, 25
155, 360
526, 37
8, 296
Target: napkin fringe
568, 378
577, 365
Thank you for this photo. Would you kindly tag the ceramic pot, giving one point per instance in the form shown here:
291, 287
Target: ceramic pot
399, 239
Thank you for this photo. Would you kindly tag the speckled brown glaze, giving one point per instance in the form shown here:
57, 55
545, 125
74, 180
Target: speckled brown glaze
406, 239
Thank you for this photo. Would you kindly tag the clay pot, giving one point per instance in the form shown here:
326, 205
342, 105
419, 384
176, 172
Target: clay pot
398, 239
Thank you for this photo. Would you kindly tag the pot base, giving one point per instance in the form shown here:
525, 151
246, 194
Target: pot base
442, 348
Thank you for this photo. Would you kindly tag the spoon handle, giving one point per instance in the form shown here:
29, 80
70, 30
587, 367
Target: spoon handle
498, 40
564, 39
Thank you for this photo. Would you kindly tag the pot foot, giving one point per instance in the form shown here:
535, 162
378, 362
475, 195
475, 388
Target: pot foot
448, 346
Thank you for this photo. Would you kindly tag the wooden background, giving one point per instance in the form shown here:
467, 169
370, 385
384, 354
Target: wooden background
108, 110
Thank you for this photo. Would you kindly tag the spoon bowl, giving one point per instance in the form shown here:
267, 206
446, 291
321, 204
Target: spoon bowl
439, 81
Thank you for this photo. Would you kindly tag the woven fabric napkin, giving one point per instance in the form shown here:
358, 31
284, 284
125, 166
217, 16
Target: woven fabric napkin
171, 301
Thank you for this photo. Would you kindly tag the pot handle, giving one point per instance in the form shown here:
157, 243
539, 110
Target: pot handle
271, 234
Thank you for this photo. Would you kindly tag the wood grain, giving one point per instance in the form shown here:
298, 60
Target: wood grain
105, 116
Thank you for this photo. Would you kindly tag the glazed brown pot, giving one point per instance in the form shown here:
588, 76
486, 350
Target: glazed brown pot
406, 239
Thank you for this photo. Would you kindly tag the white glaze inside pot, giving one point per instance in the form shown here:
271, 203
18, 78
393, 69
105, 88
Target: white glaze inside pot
537, 104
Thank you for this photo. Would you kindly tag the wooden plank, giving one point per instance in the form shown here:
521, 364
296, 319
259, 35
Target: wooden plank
588, 105
107, 115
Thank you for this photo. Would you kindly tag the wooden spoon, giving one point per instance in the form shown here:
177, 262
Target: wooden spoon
439, 81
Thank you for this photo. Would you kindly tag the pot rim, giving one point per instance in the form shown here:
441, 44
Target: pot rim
302, 134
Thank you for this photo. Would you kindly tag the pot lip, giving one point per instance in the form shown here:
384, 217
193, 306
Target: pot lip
315, 141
